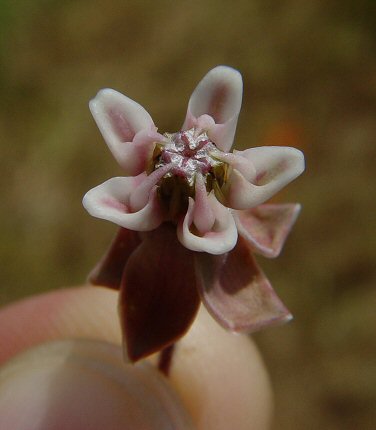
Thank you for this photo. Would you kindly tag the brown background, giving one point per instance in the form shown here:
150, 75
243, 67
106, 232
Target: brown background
310, 81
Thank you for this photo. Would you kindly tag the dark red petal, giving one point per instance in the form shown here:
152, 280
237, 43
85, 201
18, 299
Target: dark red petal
266, 227
158, 296
109, 270
236, 292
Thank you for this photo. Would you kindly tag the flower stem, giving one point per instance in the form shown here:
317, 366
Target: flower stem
165, 359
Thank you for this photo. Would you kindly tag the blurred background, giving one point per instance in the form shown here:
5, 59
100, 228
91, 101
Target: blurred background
309, 70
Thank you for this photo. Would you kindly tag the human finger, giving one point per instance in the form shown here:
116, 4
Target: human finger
219, 377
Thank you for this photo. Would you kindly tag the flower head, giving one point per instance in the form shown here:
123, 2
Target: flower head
191, 215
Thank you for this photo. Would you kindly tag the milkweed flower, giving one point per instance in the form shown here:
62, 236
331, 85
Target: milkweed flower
191, 215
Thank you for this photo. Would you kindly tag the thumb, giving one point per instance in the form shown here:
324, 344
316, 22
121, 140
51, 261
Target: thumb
74, 385
219, 377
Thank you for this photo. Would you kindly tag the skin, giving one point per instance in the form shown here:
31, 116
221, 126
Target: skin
217, 377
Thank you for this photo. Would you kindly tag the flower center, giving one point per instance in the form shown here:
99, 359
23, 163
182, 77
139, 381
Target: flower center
190, 152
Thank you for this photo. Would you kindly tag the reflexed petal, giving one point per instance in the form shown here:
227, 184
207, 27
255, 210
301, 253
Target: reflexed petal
266, 227
127, 129
158, 297
236, 292
275, 167
109, 270
220, 239
111, 201
219, 94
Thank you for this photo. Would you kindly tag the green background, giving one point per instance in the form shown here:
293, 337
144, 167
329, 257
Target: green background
310, 81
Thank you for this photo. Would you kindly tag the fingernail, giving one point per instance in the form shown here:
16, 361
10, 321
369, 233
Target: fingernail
85, 385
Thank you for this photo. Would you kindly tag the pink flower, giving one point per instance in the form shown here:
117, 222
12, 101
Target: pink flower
191, 216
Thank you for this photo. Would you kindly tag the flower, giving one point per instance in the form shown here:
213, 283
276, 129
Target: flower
191, 216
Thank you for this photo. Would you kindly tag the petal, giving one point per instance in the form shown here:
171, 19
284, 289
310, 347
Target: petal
266, 227
220, 239
111, 201
236, 292
158, 297
274, 167
127, 129
109, 270
219, 94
